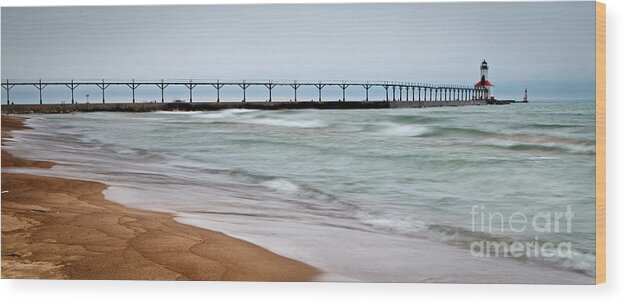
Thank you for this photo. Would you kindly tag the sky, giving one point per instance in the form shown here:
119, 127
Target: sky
546, 47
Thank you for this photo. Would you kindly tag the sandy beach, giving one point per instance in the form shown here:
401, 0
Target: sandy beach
55, 228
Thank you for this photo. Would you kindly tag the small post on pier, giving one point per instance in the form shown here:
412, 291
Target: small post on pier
218, 87
394, 93
343, 86
190, 86
103, 87
386, 92
320, 87
72, 86
7, 86
367, 87
40, 87
162, 86
244, 86
133, 86
295, 85
270, 87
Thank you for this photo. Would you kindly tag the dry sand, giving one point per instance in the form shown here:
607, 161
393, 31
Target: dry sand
64, 228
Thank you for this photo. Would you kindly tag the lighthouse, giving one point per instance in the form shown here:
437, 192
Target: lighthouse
525, 96
484, 84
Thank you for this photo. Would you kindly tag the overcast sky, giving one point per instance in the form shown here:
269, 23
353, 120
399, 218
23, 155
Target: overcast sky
547, 47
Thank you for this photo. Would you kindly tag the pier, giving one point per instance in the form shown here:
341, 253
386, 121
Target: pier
396, 94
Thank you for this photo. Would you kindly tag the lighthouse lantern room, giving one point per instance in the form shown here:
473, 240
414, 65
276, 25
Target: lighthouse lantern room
484, 84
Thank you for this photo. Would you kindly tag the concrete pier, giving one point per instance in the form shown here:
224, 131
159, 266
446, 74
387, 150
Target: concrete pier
215, 106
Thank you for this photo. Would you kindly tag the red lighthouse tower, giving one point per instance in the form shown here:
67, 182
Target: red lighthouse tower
484, 84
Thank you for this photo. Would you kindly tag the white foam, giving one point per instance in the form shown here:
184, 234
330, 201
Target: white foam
404, 130
306, 124
282, 186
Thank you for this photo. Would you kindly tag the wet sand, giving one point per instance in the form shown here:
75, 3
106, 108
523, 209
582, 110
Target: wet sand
55, 228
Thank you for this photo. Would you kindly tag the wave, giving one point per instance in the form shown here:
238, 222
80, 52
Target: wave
253, 117
517, 142
579, 261
553, 126
402, 118
207, 114
410, 130
456, 131
282, 186
414, 226
546, 144
305, 124
223, 114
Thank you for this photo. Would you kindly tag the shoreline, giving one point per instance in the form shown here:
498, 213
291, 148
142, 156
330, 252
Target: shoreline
57, 228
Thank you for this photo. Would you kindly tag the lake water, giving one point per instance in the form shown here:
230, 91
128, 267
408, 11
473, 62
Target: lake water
365, 195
